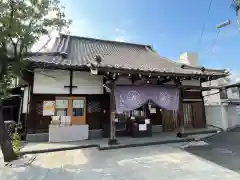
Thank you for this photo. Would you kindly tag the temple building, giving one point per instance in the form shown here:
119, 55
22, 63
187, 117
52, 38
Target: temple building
78, 89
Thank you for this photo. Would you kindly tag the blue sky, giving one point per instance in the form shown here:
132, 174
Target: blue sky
171, 26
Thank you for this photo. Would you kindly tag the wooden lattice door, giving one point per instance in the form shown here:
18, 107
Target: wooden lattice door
187, 114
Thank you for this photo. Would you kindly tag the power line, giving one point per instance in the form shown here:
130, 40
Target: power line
204, 25
214, 42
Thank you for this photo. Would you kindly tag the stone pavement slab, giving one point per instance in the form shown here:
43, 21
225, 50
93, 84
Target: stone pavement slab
141, 163
102, 144
1, 159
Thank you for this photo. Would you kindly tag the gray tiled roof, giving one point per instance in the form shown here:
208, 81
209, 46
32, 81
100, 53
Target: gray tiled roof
80, 51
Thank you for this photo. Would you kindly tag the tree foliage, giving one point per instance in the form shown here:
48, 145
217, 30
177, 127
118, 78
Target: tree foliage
22, 23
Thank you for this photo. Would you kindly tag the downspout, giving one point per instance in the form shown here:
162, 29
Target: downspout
27, 114
19, 113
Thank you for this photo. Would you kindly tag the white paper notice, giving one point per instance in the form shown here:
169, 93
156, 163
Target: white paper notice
63, 120
81, 103
147, 121
153, 110
142, 127
61, 103
48, 108
77, 103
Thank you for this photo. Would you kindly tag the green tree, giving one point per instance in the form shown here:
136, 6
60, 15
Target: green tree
22, 23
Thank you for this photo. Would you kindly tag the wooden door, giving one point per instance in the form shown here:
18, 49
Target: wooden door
199, 118
75, 107
169, 120
77, 110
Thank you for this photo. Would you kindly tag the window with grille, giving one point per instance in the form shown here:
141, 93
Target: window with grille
39, 108
94, 107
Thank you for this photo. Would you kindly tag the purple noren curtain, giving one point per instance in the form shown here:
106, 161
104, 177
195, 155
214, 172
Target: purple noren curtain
132, 97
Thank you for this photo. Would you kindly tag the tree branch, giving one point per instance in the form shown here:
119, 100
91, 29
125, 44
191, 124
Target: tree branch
24, 37
10, 26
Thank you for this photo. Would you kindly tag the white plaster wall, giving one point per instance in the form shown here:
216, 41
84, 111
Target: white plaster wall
25, 100
187, 82
222, 116
53, 82
191, 82
232, 94
233, 119
87, 83
211, 97
216, 116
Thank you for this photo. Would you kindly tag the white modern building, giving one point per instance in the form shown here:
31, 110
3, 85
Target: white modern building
222, 102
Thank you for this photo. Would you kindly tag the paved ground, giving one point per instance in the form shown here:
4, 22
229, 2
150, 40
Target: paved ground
1, 159
223, 149
103, 142
163, 162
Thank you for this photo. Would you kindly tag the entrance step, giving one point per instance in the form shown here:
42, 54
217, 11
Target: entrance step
38, 137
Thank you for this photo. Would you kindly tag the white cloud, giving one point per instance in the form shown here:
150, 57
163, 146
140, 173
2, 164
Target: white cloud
81, 27
77, 28
118, 30
121, 39
235, 76
121, 35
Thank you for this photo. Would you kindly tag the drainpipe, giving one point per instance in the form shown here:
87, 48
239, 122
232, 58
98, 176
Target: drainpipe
224, 116
19, 112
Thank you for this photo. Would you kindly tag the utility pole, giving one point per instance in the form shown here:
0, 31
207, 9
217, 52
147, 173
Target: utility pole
223, 24
236, 6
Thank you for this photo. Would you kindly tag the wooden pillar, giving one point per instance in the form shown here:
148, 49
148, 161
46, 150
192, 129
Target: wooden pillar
112, 140
70, 86
71, 82
180, 111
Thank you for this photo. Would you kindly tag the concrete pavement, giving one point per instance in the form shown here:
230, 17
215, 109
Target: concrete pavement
223, 149
1, 160
162, 162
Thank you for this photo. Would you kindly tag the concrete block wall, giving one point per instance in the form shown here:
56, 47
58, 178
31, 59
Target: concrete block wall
222, 116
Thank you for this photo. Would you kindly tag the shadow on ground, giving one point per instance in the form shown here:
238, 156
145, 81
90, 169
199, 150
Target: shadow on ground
223, 149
